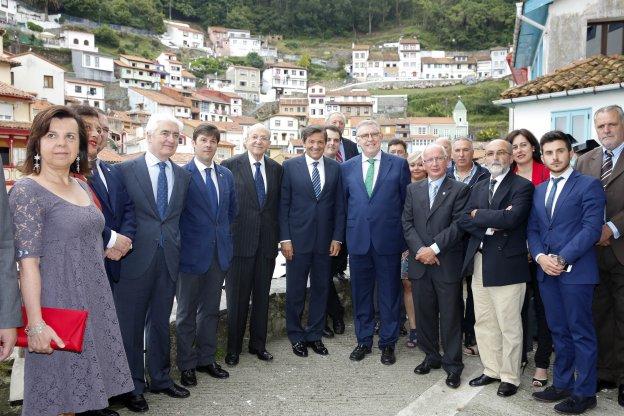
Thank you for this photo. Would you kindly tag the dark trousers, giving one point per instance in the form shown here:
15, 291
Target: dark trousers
609, 316
438, 312
334, 308
197, 317
468, 319
569, 316
144, 307
385, 271
249, 278
544, 339
317, 266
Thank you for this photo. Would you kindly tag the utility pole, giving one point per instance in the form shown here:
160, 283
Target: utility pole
170, 1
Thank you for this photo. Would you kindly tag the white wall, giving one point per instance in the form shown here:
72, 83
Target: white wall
71, 36
30, 77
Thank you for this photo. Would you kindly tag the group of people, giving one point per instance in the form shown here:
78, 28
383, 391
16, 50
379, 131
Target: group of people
123, 241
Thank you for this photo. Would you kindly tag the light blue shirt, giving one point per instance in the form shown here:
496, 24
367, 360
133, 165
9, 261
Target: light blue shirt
616, 155
153, 169
468, 178
201, 167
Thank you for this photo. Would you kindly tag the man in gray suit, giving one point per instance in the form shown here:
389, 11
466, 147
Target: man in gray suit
147, 284
10, 313
432, 207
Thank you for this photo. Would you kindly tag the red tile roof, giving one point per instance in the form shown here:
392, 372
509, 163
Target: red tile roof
7, 90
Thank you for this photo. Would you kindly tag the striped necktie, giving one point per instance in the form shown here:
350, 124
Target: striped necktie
491, 194
607, 168
316, 180
339, 158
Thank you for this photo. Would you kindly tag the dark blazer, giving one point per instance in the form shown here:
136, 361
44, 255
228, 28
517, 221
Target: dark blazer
574, 229
481, 174
254, 228
423, 226
149, 225
10, 300
309, 223
375, 220
590, 164
350, 148
505, 259
200, 230
118, 210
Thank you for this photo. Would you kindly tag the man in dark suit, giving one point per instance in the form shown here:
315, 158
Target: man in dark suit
496, 256
348, 148
257, 180
311, 217
205, 257
108, 187
10, 300
607, 163
565, 222
147, 283
432, 208
374, 186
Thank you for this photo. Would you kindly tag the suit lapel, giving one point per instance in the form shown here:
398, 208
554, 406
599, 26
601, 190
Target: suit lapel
329, 176
111, 184
221, 182
359, 174
175, 192
95, 181
302, 167
440, 197
384, 167
618, 169
199, 181
145, 183
271, 183
540, 196
565, 192
501, 191
595, 163
248, 179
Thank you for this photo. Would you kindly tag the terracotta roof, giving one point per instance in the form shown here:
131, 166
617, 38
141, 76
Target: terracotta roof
245, 120
7, 60
38, 56
312, 121
159, 98
360, 47
356, 103
355, 120
293, 101
285, 65
206, 94
231, 95
217, 29
351, 93
20, 125
125, 65
244, 67
431, 137
591, 72
499, 48
7, 90
429, 60
183, 26
41, 105
384, 55
406, 41
119, 115
431, 120
138, 59
221, 125
296, 142
84, 82
225, 143
188, 74
109, 155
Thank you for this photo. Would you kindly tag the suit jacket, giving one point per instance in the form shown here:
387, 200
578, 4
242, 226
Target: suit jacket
118, 210
311, 224
590, 164
10, 300
573, 230
505, 260
255, 229
350, 148
150, 227
481, 174
423, 226
201, 232
375, 220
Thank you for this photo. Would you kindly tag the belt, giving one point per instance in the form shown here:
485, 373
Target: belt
479, 250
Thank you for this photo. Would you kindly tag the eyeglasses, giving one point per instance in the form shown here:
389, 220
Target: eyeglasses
499, 153
167, 133
523, 145
369, 136
434, 159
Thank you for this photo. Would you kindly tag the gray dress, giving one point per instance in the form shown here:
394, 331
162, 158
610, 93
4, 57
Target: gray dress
67, 239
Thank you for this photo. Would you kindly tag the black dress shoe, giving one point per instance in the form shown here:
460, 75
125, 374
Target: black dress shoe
506, 389
339, 326
318, 347
300, 349
402, 331
425, 367
175, 391
575, 405
482, 380
231, 359
263, 355
605, 385
452, 380
101, 412
387, 355
327, 332
360, 352
213, 369
621, 395
135, 403
551, 394
188, 378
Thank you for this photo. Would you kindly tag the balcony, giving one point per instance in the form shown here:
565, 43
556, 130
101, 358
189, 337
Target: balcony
11, 174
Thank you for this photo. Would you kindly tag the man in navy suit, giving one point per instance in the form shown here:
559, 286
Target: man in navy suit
375, 185
311, 217
565, 222
205, 257
116, 205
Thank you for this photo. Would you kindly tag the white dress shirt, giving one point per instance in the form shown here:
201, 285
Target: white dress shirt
565, 175
321, 168
154, 170
365, 166
252, 162
201, 167
438, 183
113, 237
499, 179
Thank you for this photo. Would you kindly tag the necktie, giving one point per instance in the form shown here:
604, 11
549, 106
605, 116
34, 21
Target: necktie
491, 195
316, 180
433, 191
551, 197
212, 192
370, 174
259, 185
607, 168
162, 190
339, 156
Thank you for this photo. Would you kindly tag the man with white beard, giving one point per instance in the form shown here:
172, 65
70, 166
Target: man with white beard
496, 219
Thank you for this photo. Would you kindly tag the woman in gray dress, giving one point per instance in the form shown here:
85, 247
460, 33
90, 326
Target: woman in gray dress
58, 239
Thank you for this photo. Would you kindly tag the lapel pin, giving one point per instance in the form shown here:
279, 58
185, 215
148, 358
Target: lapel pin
443, 193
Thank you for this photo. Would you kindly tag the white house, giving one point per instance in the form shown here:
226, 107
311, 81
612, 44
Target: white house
188, 80
285, 79
246, 81
172, 76
94, 66
283, 129
157, 102
40, 76
8, 10
74, 39
316, 101
212, 105
456, 67
500, 67
136, 71
85, 91
359, 58
241, 42
355, 102
484, 65
236, 103
183, 35
409, 57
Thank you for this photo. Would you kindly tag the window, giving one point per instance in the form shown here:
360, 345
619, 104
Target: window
92, 91
78, 89
575, 122
278, 123
96, 104
140, 72
605, 38
86, 42
6, 111
76, 42
312, 100
97, 62
87, 60
48, 81
290, 124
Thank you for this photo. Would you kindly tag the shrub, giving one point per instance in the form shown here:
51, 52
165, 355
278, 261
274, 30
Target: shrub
106, 36
34, 27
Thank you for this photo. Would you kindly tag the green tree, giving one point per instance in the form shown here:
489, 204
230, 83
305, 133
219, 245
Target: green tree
106, 36
255, 60
305, 61
46, 5
487, 134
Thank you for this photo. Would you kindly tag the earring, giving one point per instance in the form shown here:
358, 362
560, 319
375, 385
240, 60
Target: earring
77, 163
37, 165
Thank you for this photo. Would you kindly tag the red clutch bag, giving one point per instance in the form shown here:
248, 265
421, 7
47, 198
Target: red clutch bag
69, 325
